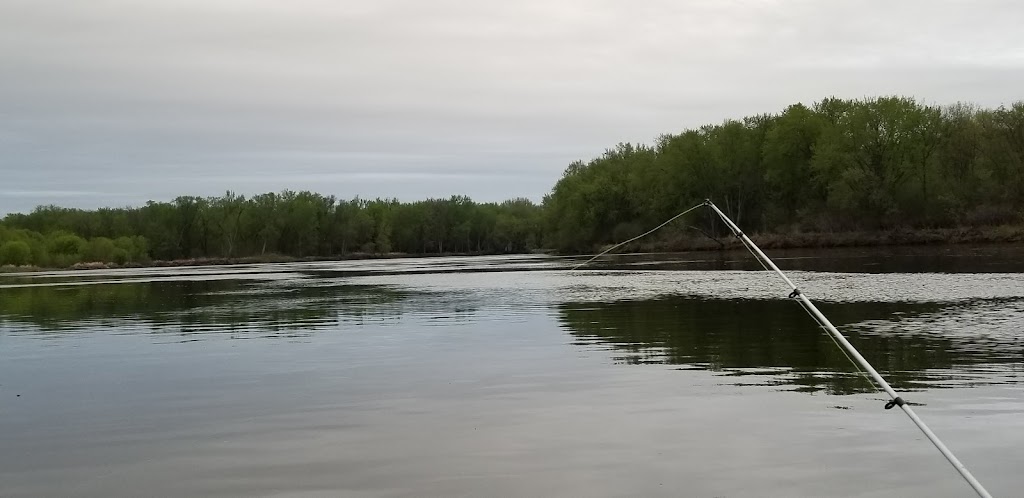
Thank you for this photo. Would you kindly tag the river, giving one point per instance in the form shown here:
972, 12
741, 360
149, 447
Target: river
642, 375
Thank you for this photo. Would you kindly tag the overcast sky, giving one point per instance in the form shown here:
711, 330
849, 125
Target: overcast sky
112, 103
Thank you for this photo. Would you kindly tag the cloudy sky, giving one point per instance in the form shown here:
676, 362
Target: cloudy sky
118, 102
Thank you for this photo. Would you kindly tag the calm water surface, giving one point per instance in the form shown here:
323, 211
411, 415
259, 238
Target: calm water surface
671, 375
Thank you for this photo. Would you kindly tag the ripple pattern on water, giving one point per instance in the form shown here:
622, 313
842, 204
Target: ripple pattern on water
916, 327
415, 375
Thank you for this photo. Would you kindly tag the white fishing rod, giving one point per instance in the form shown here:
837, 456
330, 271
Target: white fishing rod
852, 352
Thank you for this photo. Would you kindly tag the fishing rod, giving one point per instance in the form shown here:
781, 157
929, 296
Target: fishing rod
851, 352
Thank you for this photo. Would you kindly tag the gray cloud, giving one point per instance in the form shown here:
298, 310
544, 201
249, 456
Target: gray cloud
118, 102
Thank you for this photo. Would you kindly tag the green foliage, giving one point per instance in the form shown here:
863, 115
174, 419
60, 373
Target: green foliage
65, 249
300, 224
836, 165
67, 244
100, 249
15, 252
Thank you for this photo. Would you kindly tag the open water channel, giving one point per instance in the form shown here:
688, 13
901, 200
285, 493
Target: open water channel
669, 375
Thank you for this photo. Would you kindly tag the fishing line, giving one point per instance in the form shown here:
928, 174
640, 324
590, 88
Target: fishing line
638, 237
851, 353
863, 374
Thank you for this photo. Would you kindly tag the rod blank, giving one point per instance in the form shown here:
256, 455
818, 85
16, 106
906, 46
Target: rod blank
854, 354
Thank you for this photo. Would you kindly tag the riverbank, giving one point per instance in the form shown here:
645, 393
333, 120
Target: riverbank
222, 261
1005, 234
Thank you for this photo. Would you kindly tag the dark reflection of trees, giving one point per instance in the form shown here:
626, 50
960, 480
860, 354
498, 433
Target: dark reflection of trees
196, 306
889, 259
777, 337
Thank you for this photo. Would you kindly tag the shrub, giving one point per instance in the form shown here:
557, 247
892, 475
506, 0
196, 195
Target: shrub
15, 253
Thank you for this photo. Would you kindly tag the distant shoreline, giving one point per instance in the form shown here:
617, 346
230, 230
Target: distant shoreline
247, 260
1003, 234
995, 235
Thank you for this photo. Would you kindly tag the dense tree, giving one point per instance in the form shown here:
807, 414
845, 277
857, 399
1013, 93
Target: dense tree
61, 248
787, 153
838, 164
15, 252
299, 224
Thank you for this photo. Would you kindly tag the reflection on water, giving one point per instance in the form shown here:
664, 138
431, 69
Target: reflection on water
193, 307
725, 321
907, 342
1000, 258
503, 377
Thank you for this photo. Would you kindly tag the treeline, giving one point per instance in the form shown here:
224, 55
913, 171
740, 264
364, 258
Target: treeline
297, 224
837, 165
61, 248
